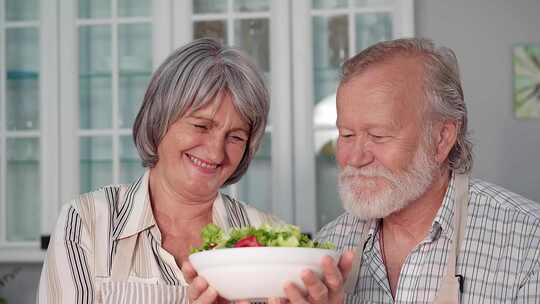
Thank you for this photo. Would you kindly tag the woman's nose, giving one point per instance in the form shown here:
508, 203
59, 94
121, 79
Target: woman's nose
216, 149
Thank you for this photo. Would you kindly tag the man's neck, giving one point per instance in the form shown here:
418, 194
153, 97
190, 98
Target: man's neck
413, 222
402, 231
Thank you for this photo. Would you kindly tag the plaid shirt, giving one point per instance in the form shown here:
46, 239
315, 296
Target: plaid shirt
499, 257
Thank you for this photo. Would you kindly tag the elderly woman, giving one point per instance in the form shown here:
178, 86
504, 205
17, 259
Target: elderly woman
200, 124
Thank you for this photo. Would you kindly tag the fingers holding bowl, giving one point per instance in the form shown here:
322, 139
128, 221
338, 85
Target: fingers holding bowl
294, 294
332, 275
327, 288
188, 271
199, 292
345, 263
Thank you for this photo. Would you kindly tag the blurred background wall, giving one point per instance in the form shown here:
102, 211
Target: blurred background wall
482, 33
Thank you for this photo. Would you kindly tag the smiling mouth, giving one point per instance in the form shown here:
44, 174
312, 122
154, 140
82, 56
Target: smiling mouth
200, 163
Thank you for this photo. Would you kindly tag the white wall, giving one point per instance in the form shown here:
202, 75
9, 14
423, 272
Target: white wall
482, 33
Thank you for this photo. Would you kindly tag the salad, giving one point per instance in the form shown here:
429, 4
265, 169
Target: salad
264, 236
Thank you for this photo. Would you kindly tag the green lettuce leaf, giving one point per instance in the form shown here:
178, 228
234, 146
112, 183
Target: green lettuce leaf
270, 236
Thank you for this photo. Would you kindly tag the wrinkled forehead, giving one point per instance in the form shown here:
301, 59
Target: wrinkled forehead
387, 93
211, 100
208, 108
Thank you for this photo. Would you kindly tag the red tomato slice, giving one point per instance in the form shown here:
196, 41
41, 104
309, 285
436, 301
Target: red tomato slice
248, 241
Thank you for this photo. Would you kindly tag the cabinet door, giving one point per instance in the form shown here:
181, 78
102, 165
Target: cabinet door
114, 64
20, 124
108, 49
28, 125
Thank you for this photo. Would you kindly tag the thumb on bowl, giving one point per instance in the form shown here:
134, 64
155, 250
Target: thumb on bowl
188, 271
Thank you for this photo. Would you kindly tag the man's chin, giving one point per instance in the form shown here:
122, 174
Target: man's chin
370, 209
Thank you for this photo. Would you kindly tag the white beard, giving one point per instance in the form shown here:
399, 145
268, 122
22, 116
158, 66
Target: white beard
361, 198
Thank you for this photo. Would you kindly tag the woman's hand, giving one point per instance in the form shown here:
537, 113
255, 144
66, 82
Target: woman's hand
199, 292
329, 289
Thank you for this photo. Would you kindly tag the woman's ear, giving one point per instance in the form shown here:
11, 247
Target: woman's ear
445, 139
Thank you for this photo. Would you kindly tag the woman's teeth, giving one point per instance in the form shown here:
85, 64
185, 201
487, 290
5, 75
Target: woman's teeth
202, 164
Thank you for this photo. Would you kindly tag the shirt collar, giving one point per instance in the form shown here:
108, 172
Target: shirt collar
140, 215
373, 229
137, 199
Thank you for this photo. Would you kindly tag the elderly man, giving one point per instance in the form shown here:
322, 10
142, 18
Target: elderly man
424, 232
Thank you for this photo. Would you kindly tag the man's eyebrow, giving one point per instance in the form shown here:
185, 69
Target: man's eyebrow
387, 125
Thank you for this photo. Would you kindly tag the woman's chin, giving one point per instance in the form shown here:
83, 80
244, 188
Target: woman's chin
203, 187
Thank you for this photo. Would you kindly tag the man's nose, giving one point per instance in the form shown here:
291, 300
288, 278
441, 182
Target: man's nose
361, 154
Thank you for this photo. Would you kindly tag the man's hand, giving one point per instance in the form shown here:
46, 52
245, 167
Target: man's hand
329, 289
199, 292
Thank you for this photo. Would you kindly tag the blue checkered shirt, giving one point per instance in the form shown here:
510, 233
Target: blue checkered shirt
499, 257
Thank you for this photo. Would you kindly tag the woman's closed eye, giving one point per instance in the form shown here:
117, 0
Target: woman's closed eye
237, 138
201, 126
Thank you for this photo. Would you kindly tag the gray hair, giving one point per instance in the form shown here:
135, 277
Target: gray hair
442, 87
188, 80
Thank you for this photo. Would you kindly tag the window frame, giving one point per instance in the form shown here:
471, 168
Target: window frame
71, 133
291, 69
47, 132
161, 21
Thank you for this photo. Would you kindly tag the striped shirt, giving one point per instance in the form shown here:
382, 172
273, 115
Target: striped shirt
499, 258
80, 256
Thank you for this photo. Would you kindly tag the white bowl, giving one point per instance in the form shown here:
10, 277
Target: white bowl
257, 273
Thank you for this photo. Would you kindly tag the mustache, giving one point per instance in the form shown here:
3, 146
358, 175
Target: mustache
350, 172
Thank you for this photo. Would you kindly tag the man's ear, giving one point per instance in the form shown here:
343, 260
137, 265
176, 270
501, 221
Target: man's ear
445, 139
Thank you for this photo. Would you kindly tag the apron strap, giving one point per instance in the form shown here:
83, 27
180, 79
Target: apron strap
462, 184
354, 275
123, 258
451, 286
460, 220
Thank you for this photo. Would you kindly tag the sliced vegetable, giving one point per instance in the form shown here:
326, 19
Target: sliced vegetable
248, 241
264, 236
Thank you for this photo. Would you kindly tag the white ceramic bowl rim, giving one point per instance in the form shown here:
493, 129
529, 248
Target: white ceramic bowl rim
266, 255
